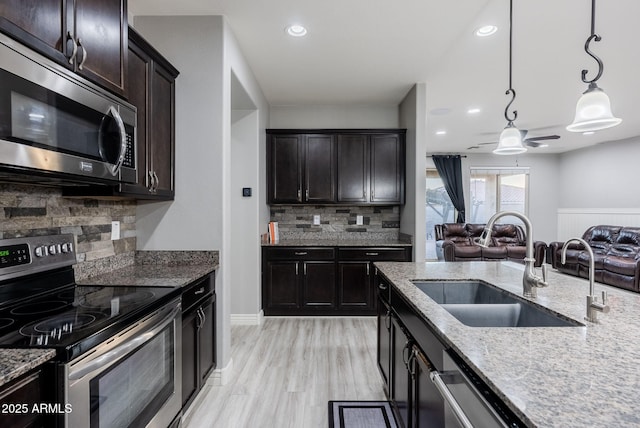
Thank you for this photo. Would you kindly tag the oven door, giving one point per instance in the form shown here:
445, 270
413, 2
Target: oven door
132, 380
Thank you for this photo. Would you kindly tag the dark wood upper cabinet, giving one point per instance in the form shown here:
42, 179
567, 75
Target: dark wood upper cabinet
301, 168
86, 36
356, 167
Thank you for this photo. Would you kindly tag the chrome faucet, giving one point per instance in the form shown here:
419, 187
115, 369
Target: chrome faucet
593, 306
530, 281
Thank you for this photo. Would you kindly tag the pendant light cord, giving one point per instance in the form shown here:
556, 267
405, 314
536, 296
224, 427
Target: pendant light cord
511, 91
592, 37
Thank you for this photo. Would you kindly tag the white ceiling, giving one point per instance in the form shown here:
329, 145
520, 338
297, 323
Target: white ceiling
363, 52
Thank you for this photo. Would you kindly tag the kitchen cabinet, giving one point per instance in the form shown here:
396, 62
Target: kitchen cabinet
356, 275
301, 168
355, 167
86, 36
198, 336
151, 89
401, 344
18, 397
299, 281
323, 280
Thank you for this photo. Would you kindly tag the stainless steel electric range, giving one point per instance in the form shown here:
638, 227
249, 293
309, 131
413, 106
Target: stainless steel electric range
118, 349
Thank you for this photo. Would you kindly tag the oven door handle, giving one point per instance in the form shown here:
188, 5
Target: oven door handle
145, 334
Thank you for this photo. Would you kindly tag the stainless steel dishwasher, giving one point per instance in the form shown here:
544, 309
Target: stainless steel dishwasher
465, 405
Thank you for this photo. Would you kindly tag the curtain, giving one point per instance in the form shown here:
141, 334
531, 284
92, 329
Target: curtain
450, 170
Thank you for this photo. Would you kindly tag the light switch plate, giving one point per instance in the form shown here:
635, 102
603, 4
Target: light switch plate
115, 230
316, 219
359, 220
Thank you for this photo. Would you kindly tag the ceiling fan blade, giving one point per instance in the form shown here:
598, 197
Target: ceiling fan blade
487, 144
543, 137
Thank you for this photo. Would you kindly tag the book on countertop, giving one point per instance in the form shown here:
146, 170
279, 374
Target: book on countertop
274, 234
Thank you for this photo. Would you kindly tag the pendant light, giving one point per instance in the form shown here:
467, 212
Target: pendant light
510, 142
593, 111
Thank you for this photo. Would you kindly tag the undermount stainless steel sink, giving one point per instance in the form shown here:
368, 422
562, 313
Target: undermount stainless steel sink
479, 304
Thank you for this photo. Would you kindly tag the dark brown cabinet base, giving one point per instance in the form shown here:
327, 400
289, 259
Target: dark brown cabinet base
323, 280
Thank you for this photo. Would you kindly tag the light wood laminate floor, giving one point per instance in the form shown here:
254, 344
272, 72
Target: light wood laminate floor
286, 370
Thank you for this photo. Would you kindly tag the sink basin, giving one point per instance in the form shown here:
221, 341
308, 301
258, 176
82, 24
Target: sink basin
478, 304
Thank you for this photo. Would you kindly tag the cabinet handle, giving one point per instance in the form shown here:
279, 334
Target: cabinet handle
151, 182
371, 254
304, 269
368, 270
450, 399
199, 291
411, 366
157, 181
204, 316
405, 354
300, 253
382, 285
297, 264
84, 54
200, 322
387, 320
299, 195
74, 51
306, 194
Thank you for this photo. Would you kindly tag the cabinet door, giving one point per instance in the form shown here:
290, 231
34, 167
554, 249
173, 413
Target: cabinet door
26, 391
428, 404
39, 24
282, 290
161, 134
139, 72
318, 285
387, 169
207, 338
284, 169
353, 168
189, 356
320, 169
100, 28
355, 286
384, 343
400, 377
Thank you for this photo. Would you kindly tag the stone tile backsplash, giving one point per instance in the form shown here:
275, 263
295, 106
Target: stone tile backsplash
27, 210
296, 222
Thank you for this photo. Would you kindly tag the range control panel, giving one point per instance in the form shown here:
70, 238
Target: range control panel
23, 256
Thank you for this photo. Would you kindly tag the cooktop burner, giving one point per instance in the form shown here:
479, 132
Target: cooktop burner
39, 308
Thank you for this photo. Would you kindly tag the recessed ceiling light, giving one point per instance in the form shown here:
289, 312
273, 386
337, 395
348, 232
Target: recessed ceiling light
486, 30
474, 110
441, 132
296, 30
588, 132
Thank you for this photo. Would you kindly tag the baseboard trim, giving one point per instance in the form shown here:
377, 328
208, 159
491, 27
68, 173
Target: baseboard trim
221, 376
247, 319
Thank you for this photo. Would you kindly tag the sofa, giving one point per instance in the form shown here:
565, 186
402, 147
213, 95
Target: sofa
616, 253
456, 242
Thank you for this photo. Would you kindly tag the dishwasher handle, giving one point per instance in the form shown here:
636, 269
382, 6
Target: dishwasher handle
450, 399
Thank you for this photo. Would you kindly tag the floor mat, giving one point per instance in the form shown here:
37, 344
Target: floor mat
361, 414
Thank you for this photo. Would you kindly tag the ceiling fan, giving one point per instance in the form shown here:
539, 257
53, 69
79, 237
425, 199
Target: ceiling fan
530, 142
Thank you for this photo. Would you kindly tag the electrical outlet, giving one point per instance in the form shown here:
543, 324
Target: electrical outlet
115, 230
316, 219
359, 220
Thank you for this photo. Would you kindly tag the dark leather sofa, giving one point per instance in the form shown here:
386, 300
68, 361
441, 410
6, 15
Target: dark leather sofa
455, 242
616, 253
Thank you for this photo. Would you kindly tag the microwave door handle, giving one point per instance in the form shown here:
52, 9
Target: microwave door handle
118, 352
123, 140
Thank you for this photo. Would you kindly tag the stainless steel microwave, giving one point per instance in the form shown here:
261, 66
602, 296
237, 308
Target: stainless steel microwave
56, 126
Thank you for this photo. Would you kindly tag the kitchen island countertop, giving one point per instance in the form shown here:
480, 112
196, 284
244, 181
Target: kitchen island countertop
549, 376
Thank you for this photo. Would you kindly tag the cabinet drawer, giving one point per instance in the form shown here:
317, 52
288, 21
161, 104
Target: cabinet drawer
373, 254
300, 253
196, 292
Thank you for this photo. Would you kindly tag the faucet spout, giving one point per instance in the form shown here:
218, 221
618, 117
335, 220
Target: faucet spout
530, 281
593, 306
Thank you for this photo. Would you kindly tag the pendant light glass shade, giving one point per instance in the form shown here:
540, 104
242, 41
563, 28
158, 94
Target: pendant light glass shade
593, 111
510, 142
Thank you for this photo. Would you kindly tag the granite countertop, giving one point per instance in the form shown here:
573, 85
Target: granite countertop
337, 243
549, 376
16, 362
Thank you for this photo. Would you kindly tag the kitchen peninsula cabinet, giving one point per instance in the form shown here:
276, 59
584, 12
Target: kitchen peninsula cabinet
348, 166
332, 280
198, 336
18, 398
87, 36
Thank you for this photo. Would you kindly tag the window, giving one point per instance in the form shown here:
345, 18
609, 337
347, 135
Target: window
496, 189
439, 209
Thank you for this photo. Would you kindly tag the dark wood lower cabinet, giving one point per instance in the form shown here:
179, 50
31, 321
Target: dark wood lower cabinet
384, 343
400, 376
323, 280
18, 397
198, 336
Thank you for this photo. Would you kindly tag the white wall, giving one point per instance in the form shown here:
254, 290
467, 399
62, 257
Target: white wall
337, 116
602, 176
201, 215
544, 186
412, 215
